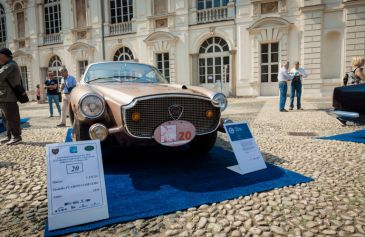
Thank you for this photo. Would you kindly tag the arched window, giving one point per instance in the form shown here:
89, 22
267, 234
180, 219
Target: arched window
54, 66
20, 20
205, 4
2, 25
214, 62
121, 11
123, 54
52, 16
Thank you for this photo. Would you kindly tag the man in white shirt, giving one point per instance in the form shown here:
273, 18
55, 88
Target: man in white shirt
283, 77
298, 74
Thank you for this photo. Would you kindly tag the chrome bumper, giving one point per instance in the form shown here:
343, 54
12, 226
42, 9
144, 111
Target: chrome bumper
221, 124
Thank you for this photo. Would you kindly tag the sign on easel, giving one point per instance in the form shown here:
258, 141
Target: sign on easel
76, 186
245, 148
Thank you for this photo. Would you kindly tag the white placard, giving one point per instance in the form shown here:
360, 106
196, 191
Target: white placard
245, 148
76, 186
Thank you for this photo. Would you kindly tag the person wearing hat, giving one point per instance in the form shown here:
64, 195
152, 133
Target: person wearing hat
298, 74
9, 78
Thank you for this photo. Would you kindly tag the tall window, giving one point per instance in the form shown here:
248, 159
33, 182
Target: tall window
269, 62
2, 25
160, 7
121, 11
123, 54
80, 13
204, 4
54, 66
52, 16
82, 66
163, 64
19, 12
214, 61
24, 75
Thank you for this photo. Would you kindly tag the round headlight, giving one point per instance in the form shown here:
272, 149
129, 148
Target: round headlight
98, 131
92, 106
219, 100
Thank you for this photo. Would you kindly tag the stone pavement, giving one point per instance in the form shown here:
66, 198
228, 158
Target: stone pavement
332, 205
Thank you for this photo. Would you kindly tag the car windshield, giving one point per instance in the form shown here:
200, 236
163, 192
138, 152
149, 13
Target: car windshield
123, 72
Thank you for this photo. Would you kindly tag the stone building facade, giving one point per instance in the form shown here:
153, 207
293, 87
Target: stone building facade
231, 46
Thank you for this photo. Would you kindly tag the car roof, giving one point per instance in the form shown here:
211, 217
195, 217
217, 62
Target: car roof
124, 62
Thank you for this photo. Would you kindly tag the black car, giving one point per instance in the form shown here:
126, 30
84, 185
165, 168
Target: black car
349, 103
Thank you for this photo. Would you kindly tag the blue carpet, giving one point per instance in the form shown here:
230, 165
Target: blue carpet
68, 135
24, 123
141, 186
357, 136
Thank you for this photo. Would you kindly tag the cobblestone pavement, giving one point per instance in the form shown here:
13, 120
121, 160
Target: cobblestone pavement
332, 205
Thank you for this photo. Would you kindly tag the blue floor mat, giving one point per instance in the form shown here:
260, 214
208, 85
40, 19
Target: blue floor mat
357, 136
24, 123
141, 186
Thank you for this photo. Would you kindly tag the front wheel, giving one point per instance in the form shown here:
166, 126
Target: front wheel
80, 131
204, 143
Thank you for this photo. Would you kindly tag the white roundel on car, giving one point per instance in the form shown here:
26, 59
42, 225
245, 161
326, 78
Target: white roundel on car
175, 133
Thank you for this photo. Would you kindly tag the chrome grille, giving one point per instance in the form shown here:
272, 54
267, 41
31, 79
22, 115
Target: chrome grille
154, 111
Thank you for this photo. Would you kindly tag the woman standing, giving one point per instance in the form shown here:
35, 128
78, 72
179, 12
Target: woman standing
357, 67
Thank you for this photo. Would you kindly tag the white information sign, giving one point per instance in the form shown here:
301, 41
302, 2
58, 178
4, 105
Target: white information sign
76, 186
245, 148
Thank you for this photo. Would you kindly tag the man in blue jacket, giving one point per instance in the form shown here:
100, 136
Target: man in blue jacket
67, 84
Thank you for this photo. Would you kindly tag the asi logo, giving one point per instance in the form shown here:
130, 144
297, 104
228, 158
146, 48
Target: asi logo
55, 151
89, 148
73, 149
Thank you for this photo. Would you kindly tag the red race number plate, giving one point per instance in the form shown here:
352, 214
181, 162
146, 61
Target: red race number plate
175, 133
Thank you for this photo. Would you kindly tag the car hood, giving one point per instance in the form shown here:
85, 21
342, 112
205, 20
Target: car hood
125, 93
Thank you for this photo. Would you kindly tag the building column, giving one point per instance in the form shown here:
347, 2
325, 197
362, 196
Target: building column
233, 72
194, 69
193, 13
312, 17
354, 31
107, 17
40, 23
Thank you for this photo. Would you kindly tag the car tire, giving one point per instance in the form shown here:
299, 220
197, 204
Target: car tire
204, 143
80, 131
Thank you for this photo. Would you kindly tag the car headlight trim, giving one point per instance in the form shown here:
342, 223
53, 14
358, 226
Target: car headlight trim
220, 100
98, 131
91, 106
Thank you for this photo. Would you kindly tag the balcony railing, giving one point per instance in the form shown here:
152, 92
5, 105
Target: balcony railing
52, 39
212, 14
120, 28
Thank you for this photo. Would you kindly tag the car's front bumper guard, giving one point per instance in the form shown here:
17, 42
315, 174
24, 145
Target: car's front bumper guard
220, 127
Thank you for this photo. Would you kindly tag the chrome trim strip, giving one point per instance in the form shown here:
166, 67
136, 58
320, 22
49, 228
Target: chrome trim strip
134, 102
346, 114
82, 113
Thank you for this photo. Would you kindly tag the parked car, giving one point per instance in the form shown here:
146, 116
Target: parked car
349, 103
133, 104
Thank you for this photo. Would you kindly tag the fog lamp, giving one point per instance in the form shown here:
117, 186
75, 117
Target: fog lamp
209, 114
98, 131
136, 116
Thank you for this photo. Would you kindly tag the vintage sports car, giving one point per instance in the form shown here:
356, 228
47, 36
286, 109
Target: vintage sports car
349, 103
132, 104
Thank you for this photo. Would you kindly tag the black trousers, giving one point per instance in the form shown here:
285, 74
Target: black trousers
11, 118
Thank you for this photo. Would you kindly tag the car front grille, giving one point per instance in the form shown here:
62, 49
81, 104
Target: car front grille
154, 111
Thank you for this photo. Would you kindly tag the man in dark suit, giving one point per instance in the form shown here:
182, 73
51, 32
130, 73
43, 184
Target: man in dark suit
9, 78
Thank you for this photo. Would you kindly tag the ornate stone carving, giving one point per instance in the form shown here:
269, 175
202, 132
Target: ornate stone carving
282, 6
256, 8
